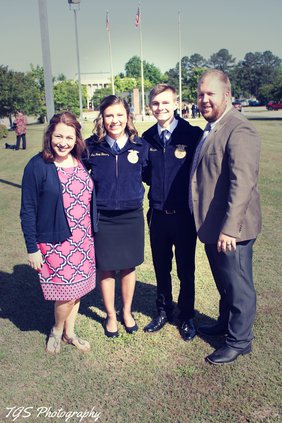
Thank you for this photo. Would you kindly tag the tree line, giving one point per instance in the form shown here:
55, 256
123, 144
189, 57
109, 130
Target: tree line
25, 91
258, 75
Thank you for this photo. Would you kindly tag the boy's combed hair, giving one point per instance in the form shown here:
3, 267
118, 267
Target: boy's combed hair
160, 88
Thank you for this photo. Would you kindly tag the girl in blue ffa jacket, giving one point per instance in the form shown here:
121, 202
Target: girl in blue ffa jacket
117, 157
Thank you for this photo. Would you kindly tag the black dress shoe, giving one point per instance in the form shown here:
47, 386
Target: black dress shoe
108, 333
187, 330
130, 329
156, 324
213, 330
227, 354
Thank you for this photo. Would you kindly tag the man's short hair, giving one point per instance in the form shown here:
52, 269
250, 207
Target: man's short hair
160, 88
220, 75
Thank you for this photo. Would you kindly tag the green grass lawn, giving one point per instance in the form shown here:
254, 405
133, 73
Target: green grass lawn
145, 378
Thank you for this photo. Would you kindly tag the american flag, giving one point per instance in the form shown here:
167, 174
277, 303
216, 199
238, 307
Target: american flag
137, 18
107, 22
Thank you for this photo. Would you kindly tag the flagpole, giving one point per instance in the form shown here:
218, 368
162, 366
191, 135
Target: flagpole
110, 52
138, 24
180, 65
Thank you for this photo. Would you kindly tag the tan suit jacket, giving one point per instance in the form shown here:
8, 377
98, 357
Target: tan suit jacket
224, 185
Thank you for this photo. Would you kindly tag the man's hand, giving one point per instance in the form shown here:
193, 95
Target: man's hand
226, 243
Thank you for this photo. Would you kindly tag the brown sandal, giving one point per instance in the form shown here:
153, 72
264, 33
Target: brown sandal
77, 342
53, 345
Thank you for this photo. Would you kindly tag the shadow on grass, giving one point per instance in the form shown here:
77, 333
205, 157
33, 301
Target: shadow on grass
22, 302
3, 181
143, 301
213, 341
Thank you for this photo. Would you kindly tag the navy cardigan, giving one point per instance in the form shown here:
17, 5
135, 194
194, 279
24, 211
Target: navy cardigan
43, 216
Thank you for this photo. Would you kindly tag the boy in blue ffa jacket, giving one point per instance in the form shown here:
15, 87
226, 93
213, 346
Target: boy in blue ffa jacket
172, 144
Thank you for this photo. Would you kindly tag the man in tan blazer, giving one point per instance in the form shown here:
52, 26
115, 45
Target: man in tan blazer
225, 203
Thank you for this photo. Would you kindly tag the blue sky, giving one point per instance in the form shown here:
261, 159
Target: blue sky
207, 26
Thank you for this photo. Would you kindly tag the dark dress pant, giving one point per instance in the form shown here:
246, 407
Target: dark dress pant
178, 230
233, 276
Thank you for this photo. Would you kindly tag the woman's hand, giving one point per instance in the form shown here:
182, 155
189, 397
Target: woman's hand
35, 260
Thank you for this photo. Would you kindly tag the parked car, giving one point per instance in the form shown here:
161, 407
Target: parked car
237, 105
274, 105
255, 103
244, 103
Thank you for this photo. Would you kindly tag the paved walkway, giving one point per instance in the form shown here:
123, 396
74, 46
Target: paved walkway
261, 112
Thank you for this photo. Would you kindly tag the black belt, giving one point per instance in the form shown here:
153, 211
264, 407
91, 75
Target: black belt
182, 213
171, 211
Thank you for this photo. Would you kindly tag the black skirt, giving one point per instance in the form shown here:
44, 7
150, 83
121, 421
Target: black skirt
119, 242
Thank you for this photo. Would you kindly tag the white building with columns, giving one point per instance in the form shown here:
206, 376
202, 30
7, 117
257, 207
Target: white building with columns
94, 81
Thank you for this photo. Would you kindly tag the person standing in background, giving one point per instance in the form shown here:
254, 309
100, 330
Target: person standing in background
20, 129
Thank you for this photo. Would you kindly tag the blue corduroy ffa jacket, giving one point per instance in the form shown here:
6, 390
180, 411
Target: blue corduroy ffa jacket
117, 177
43, 216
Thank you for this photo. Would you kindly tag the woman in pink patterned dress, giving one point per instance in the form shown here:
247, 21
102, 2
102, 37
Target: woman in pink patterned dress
58, 217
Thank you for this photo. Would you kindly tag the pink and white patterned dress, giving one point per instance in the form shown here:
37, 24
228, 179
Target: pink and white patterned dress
69, 270
21, 123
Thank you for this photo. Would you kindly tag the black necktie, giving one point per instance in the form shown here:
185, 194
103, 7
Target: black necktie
164, 136
115, 148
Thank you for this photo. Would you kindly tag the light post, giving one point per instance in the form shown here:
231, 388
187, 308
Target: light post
48, 83
75, 6
180, 64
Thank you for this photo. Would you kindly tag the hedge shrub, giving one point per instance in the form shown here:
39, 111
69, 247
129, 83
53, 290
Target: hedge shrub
3, 131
